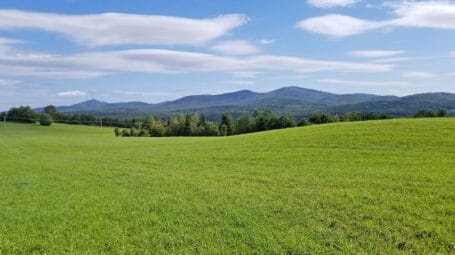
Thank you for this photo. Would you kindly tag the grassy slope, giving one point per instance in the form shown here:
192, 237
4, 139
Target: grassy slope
372, 187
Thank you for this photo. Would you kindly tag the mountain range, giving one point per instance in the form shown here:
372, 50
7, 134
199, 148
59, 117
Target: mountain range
294, 101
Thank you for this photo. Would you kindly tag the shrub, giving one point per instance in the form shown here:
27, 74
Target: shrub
45, 119
126, 132
117, 131
303, 122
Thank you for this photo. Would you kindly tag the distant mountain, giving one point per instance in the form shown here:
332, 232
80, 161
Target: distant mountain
295, 101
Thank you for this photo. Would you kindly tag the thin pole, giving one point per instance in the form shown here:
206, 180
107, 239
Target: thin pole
4, 121
101, 123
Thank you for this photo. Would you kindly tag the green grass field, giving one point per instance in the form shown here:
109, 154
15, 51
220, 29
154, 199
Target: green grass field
367, 187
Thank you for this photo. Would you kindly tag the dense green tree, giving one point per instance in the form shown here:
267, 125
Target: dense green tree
303, 122
223, 130
286, 122
228, 121
246, 124
45, 119
157, 129
23, 114
117, 131
442, 113
210, 129
265, 121
51, 110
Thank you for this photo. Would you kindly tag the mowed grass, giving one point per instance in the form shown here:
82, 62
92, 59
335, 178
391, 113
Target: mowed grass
380, 187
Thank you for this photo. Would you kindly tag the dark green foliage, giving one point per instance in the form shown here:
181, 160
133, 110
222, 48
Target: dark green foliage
45, 119
246, 124
303, 122
126, 132
157, 129
117, 131
51, 110
223, 130
442, 113
134, 131
210, 129
228, 121
321, 118
23, 114
286, 122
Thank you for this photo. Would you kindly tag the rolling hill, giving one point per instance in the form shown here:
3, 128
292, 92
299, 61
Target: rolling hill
375, 187
289, 100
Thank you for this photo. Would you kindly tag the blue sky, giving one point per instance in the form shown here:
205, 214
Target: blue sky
63, 52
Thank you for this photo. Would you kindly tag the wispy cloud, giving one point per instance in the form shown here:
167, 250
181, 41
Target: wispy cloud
235, 48
375, 53
245, 74
452, 53
392, 60
420, 75
75, 93
428, 14
365, 83
121, 28
4, 83
331, 3
98, 63
6, 41
241, 82
266, 41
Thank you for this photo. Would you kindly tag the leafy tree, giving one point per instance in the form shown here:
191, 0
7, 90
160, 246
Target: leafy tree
286, 122
228, 121
51, 110
246, 124
157, 129
134, 131
320, 118
45, 119
223, 130
442, 113
210, 129
265, 121
303, 122
191, 125
126, 132
117, 131
426, 114
23, 114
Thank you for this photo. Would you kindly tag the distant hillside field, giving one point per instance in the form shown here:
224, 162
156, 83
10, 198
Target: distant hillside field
375, 187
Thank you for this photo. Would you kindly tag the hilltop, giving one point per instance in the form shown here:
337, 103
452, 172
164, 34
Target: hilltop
295, 101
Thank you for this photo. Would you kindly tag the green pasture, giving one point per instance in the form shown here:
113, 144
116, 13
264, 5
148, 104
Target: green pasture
376, 187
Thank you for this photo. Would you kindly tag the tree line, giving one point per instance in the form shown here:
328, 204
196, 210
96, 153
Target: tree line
194, 124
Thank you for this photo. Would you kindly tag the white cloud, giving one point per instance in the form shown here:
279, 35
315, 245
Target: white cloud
422, 75
331, 3
428, 14
142, 93
4, 83
6, 41
121, 28
241, 82
375, 53
365, 83
391, 60
235, 48
92, 64
452, 53
75, 93
246, 74
266, 41
337, 25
